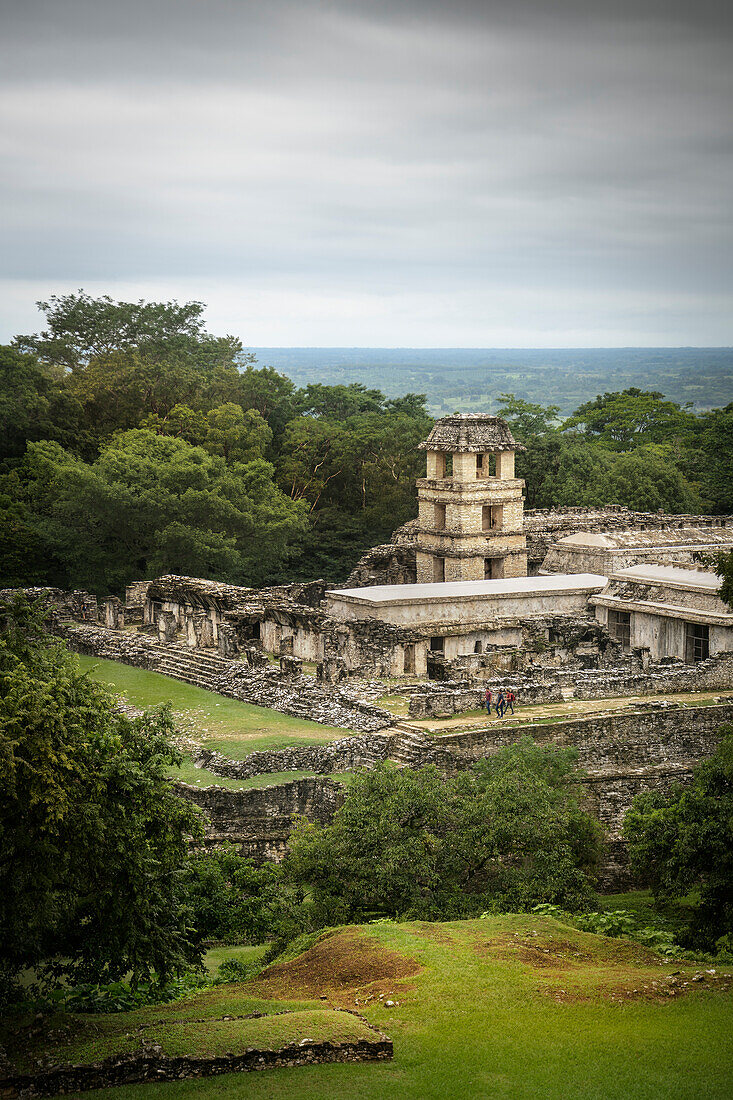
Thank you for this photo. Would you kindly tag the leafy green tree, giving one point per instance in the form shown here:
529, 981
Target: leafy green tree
33, 404
714, 460
526, 419
724, 569
152, 504
509, 833
237, 434
231, 898
92, 837
81, 328
681, 843
633, 418
647, 480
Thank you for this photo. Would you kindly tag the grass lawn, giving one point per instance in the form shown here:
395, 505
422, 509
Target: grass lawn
509, 1007
201, 777
227, 725
245, 953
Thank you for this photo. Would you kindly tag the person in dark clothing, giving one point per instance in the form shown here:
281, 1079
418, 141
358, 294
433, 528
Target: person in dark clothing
500, 704
487, 699
510, 700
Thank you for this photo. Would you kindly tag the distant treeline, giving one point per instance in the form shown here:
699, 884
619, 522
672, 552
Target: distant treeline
134, 443
472, 379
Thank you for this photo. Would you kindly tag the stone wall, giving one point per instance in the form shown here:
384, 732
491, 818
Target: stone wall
260, 820
649, 746
669, 677
343, 755
394, 562
152, 1065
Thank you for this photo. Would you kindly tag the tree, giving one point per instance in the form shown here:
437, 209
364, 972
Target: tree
152, 504
233, 898
724, 569
92, 837
81, 328
526, 419
647, 480
118, 362
33, 404
681, 843
510, 833
633, 418
714, 459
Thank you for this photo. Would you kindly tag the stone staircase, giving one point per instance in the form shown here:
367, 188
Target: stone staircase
410, 747
196, 667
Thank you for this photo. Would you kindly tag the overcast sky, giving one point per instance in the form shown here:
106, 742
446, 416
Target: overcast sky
419, 173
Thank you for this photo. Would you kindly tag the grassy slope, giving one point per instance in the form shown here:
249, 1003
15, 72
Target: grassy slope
227, 725
509, 1007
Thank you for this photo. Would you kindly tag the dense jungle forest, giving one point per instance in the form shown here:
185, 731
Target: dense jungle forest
133, 443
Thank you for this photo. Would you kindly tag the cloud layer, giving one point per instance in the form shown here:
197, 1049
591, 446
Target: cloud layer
375, 174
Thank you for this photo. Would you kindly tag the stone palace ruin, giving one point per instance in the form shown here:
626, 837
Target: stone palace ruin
585, 605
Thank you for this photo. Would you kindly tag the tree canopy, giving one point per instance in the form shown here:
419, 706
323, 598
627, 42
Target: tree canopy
316, 474
508, 833
681, 843
92, 837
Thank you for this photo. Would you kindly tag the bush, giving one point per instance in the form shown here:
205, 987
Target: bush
509, 833
682, 843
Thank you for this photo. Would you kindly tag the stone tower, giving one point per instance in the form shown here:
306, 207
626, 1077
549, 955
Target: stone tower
471, 507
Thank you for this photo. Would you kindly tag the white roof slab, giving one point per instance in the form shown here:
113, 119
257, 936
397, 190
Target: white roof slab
669, 574
555, 583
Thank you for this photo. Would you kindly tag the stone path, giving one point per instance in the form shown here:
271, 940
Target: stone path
569, 709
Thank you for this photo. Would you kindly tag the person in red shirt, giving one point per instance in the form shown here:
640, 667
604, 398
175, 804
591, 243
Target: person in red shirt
510, 700
487, 700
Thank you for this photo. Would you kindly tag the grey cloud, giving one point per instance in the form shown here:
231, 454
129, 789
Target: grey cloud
463, 150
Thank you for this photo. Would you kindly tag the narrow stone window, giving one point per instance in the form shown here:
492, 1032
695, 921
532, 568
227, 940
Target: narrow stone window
439, 569
479, 465
697, 642
478, 648
409, 661
493, 569
619, 627
437, 645
440, 517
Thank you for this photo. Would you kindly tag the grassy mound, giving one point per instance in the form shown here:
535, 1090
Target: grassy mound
509, 1007
339, 963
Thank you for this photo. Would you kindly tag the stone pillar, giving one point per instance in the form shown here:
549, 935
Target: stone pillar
167, 626
114, 613
227, 640
291, 667
505, 465
205, 631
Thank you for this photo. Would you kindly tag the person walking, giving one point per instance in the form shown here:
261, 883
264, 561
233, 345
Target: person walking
500, 704
487, 699
510, 700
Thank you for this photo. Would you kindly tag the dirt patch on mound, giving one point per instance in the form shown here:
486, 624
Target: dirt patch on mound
647, 987
559, 954
339, 964
554, 954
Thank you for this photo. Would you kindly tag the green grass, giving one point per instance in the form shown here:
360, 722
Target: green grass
226, 725
201, 777
513, 1007
245, 953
